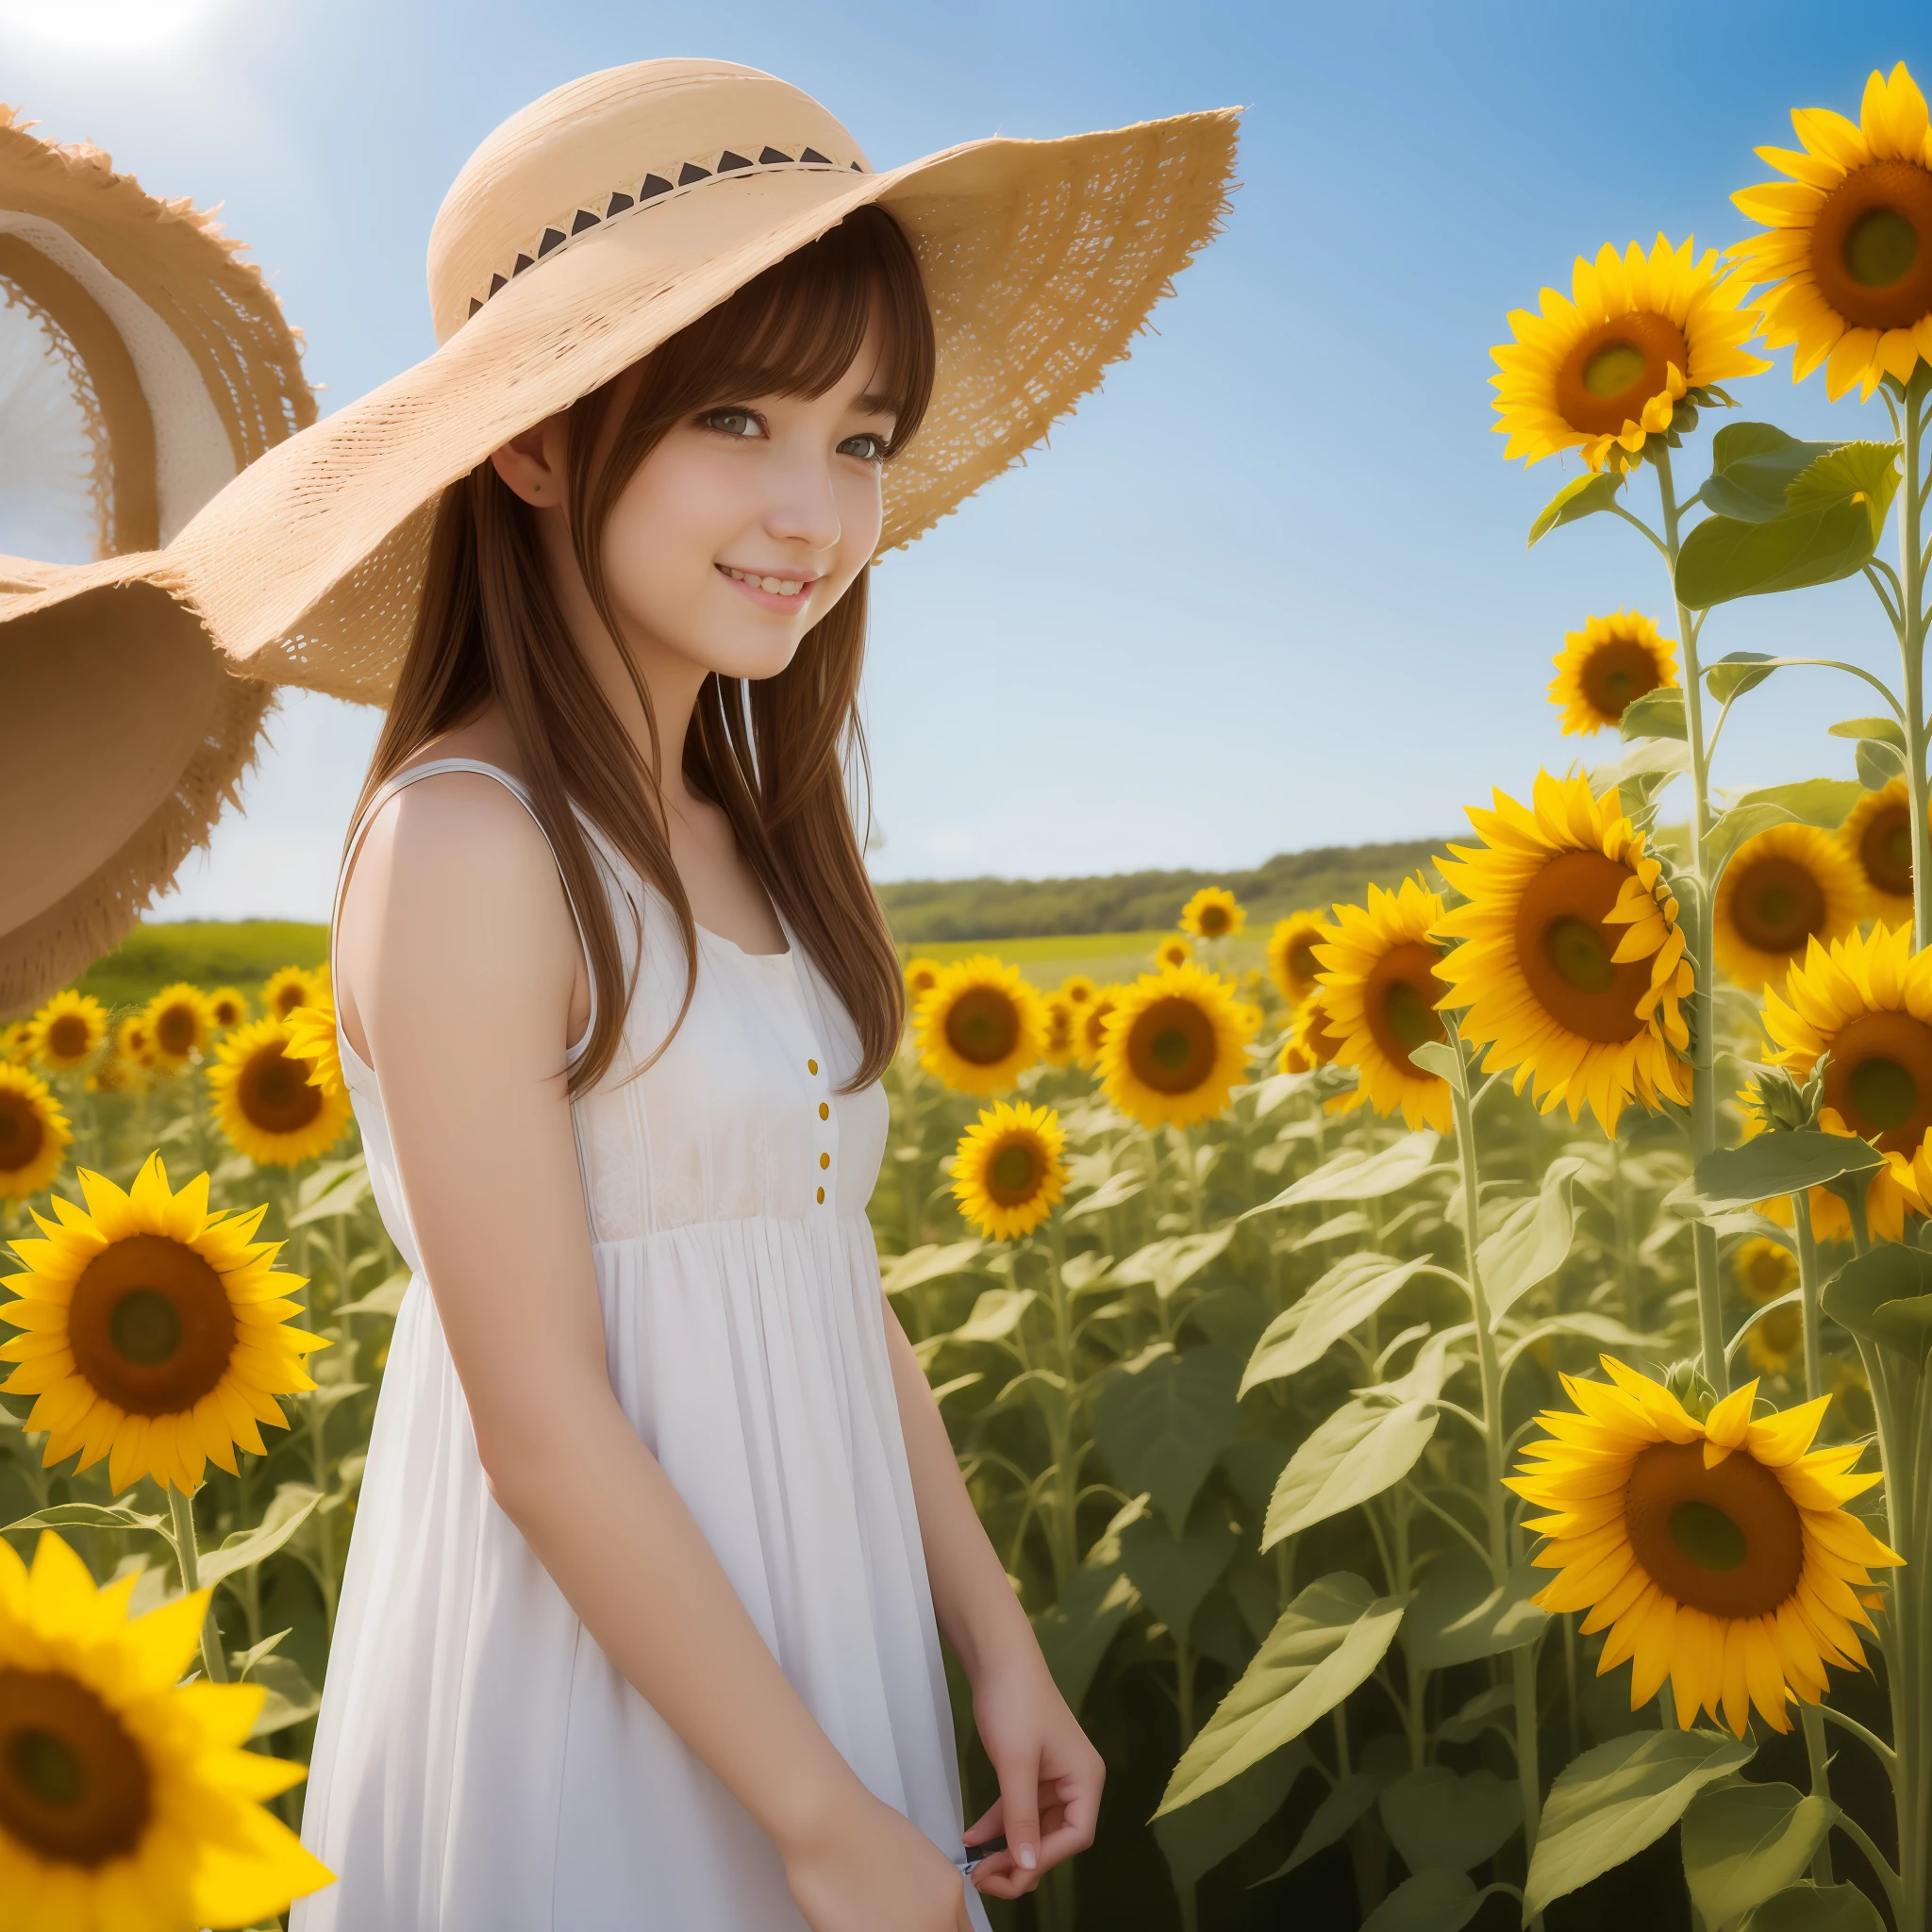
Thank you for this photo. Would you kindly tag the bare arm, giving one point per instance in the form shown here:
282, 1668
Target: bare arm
458, 944
1050, 1774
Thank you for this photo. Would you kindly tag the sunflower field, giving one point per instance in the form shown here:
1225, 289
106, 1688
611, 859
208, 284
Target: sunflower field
1453, 1404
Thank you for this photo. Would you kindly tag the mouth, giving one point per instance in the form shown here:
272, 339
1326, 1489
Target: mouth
773, 591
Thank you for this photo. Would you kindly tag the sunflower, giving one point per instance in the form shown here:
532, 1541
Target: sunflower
1764, 1268
1091, 1027
293, 987
1309, 1044
126, 1798
312, 1037
1172, 951
1780, 890
1877, 837
1606, 667
921, 976
179, 1025
1572, 964
1606, 368
229, 1006
1291, 955
1062, 1031
1213, 913
980, 1026
1776, 1340
1718, 1553
272, 1105
16, 1042
1847, 259
65, 1032
33, 1133
1077, 990
1007, 1170
154, 1331
1380, 988
1173, 1046
1868, 1002
132, 1043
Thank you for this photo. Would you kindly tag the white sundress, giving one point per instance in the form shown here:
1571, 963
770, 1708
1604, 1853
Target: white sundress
479, 1763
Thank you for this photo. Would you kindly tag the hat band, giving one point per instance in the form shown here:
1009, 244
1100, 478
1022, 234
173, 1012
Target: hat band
656, 186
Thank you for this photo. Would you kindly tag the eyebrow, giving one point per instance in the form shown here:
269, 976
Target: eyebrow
878, 405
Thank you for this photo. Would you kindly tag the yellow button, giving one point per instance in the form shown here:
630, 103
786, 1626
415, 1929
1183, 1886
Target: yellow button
822, 1197
824, 1160
824, 1111
811, 1066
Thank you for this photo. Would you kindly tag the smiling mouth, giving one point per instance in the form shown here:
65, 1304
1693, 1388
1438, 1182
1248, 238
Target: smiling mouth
791, 589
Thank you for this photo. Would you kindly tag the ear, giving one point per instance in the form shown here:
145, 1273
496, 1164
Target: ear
532, 463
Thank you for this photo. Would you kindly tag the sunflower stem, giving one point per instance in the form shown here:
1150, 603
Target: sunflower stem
1812, 1723
181, 1507
1711, 1314
1809, 1288
1912, 647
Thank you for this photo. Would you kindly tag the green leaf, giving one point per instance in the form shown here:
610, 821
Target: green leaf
1347, 1801
1323, 1645
1439, 1057
1433, 1817
384, 1300
342, 1191
1582, 498
1353, 1176
1723, 559
290, 1696
1172, 1263
1657, 713
1737, 673
996, 1313
1173, 1572
1807, 1907
1160, 1419
1197, 1838
1811, 801
1462, 1613
1744, 1841
1116, 1190
1781, 1162
1855, 475
1344, 1297
1609, 1804
1432, 1901
293, 1505
1879, 730
1751, 465
932, 1262
1096, 1600
1885, 1295
1532, 1242
89, 1516
1358, 1452
1877, 764
1484, 1712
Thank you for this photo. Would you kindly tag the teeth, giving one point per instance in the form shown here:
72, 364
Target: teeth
778, 587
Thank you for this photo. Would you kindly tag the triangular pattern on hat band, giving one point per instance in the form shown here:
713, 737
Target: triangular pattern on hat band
655, 185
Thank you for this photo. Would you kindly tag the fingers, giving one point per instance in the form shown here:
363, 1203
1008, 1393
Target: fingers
987, 1825
1020, 1796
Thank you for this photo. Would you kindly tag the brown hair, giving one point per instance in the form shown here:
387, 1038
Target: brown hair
773, 754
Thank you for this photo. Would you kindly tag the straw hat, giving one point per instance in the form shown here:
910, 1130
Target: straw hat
586, 230
130, 731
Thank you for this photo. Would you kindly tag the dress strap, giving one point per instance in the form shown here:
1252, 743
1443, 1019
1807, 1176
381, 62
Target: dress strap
388, 790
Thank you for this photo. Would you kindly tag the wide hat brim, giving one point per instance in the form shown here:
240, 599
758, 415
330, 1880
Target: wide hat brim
1042, 261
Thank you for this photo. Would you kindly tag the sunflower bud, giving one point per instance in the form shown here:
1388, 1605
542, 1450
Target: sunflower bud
1686, 1382
1782, 1103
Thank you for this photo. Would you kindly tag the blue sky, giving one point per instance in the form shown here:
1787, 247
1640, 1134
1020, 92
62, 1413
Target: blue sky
1266, 590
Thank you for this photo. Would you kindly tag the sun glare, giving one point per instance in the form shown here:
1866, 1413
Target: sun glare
108, 28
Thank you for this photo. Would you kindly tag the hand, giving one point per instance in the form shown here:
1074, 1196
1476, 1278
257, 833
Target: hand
1050, 1777
868, 1868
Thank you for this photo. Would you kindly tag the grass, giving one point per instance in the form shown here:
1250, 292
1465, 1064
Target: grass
204, 952
1046, 958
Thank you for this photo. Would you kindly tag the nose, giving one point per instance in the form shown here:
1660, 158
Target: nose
804, 508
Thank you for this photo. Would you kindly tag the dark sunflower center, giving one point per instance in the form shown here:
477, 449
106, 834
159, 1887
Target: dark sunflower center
22, 1132
1170, 1046
1213, 921
1567, 953
75, 1788
1617, 673
1776, 904
1092, 1027
1880, 1078
1012, 1173
274, 1091
1768, 1275
1302, 961
1885, 849
1399, 997
1727, 1541
1869, 253
1620, 365
67, 1036
1320, 1042
982, 1025
175, 1030
151, 1326
1783, 1329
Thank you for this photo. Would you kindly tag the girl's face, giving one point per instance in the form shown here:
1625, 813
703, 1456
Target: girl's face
748, 522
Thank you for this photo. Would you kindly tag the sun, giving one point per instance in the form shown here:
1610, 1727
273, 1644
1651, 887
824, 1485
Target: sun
1716, 1554
1781, 889
156, 1331
1601, 370
1380, 990
1007, 1170
980, 1024
1877, 839
271, 1105
1572, 967
1175, 1046
1847, 256
1606, 667
1292, 961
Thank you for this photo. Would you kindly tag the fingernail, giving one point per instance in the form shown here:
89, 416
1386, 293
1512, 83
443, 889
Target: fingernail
1026, 1856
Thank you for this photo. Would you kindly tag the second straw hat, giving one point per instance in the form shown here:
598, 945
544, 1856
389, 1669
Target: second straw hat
127, 735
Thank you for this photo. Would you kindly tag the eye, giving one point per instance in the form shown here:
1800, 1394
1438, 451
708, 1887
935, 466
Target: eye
873, 449
743, 423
